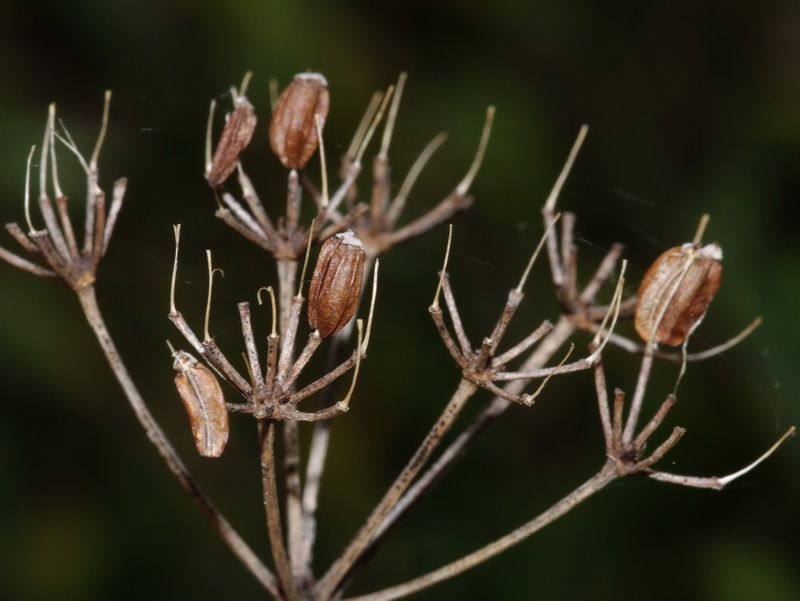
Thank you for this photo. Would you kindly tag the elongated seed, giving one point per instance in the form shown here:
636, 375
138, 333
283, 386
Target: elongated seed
676, 292
204, 402
336, 283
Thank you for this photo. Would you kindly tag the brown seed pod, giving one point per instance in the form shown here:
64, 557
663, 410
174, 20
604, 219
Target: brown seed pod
336, 283
202, 397
687, 277
293, 130
234, 139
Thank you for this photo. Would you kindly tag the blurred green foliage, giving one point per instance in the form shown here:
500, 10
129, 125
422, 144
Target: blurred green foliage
692, 107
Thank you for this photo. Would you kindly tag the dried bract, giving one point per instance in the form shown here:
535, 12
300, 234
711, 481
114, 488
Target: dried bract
336, 283
202, 396
234, 139
676, 292
293, 131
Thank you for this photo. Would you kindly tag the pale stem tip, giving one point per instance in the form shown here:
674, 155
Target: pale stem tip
45, 154
323, 165
177, 230
27, 205
392, 116
529, 398
373, 126
271, 293
305, 261
57, 192
209, 127
730, 478
721, 348
102, 136
360, 326
536, 252
613, 311
416, 169
550, 203
464, 185
361, 130
245, 82
273, 92
211, 272
435, 303
701, 228
372, 304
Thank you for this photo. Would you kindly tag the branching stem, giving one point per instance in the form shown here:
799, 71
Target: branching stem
156, 435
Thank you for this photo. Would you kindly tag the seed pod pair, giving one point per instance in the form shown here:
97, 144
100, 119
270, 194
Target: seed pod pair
202, 397
336, 283
677, 290
293, 129
234, 139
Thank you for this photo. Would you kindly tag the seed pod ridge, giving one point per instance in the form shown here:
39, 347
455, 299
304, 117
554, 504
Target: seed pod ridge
677, 290
336, 284
202, 396
293, 129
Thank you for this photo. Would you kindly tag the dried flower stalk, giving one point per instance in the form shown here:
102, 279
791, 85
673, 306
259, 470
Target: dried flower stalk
673, 298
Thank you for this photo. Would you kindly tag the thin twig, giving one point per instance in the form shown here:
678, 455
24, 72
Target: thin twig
593, 485
338, 571
156, 435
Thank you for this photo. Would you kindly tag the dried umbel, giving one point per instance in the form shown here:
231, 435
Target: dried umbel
293, 129
234, 139
676, 292
336, 284
202, 397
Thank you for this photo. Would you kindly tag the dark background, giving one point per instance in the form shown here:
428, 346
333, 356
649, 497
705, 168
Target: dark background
692, 107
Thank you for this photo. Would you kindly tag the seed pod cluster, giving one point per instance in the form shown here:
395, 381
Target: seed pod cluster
234, 139
202, 397
687, 278
293, 130
336, 283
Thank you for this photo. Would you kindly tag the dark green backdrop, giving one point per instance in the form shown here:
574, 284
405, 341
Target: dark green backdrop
692, 109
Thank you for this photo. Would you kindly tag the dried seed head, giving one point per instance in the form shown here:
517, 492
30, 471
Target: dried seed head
234, 139
202, 397
336, 283
293, 130
676, 292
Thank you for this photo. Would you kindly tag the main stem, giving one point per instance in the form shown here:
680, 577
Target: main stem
287, 281
266, 435
88, 301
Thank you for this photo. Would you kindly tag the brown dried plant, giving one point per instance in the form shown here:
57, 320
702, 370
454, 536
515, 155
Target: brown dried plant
269, 388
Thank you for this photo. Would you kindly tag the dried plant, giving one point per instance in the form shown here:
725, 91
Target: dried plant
674, 296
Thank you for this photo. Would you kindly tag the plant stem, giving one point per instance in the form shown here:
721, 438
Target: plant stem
266, 436
88, 301
287, 278
320, 438
338, 571
594, 484
549, 345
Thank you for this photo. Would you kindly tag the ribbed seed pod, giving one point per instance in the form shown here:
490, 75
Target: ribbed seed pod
687, 302
336, 283
235, 137
293, 131
202, 397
